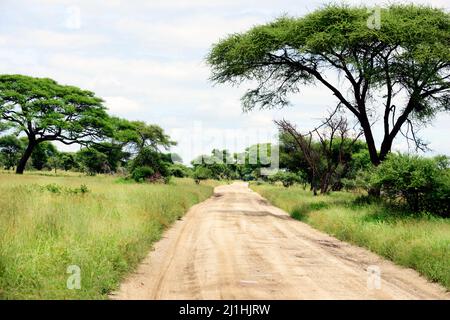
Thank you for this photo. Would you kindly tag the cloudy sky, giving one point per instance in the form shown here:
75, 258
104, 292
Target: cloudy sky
146, 59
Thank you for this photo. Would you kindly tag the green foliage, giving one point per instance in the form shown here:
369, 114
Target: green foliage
336, 163
93, 161
47, 111
286, 178
246, 165
115, 155
220, 163
11, 149
148, 157
407, 54
4, 126
202, 173
53, 107
149, 136
58, 189
140, 174
42, 153
424, 184
179, 170
68, 161
362, 180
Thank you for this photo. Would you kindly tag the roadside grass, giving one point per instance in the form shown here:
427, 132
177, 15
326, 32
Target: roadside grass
418, 242
50, 223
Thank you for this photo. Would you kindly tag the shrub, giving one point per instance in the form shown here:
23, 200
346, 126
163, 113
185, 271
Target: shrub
149, 165
57, 189
362, 180
423, 184
286, 178
201, 173
53, 188
180, 171
140, 174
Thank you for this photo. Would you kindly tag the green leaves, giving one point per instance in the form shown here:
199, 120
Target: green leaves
422, 183
11, 149
48, 111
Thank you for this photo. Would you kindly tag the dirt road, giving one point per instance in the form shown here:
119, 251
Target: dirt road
237, 246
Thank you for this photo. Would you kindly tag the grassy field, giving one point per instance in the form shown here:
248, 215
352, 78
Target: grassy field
421, 243
48, 223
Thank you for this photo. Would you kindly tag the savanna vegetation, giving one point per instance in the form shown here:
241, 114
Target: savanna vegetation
102, 206
99, 224
98, 209
418, 241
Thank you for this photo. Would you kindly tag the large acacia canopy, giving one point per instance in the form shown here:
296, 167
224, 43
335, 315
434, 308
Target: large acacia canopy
398, 72
47, 111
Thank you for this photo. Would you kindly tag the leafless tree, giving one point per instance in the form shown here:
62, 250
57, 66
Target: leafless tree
333, 134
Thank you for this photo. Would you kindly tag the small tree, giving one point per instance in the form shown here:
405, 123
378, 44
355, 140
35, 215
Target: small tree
41, 155
93, 161
150, 136
149, 158
47, 111
68, 161
201, 173
11, 149
54, 162
328, 159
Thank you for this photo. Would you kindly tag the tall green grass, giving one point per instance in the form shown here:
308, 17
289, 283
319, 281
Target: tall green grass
50, 223
421, 243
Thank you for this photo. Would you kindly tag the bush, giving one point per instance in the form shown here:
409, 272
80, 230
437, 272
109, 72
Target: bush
149, 165
286, 178
362, 180
423, 184
201, 173
57, 189
140, 174
180, 171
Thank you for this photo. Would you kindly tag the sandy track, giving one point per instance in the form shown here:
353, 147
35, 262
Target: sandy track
237, 246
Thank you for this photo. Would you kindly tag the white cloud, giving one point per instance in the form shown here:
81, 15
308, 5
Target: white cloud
52, 39
121, 105
197, 31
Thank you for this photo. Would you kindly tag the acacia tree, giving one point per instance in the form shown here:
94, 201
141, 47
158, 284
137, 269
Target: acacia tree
151, 136
398, 72
47, 111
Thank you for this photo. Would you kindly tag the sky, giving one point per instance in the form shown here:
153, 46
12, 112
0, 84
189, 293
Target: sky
146, 59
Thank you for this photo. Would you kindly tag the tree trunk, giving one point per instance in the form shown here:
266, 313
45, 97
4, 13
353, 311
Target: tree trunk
26, 155
374, 192
365, 124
